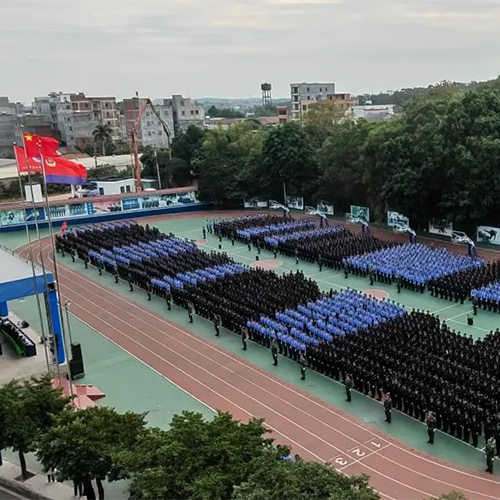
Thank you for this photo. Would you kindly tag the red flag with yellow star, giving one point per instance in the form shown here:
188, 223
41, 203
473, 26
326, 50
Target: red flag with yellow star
36, 144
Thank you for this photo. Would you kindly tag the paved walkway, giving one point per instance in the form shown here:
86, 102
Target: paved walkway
36, 487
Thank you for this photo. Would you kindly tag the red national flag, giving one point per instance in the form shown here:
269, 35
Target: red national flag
36, 144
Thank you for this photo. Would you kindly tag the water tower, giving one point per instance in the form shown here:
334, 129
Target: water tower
267, 100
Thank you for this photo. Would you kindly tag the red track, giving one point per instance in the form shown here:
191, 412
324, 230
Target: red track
223, 380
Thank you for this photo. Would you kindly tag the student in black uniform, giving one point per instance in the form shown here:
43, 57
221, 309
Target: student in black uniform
303, 364
244, 336
217, 324
431, 426
274, 351
388, 408
190, 309
348, 387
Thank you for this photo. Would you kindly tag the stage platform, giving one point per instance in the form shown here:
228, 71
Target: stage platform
12, 366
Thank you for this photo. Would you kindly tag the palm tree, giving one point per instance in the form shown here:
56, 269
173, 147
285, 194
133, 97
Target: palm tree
102, 134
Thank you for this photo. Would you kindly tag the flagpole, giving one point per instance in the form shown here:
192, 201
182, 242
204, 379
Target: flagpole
44, 339
56, 273
44, 270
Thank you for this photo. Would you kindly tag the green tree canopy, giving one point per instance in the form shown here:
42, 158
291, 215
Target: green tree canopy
102, 136
27, 409
224, 164
85, 445
152, 159
321, 119
196, 458
215, 112
288, 157
301, 480
186, 144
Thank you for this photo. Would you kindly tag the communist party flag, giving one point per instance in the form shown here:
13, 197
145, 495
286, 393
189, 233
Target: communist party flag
58, 170
37, 144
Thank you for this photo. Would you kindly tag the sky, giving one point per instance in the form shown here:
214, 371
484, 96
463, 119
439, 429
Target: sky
227, 48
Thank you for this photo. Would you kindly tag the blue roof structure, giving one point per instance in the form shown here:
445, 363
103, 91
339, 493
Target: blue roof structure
17, 281
16, 278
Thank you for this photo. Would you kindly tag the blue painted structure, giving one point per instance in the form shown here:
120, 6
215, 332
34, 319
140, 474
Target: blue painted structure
109, 216
17, 281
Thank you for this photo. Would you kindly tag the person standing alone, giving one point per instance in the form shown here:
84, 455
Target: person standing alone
388, 408
348, 387
431, 426
274, 351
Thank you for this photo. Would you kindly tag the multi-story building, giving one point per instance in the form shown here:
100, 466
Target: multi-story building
343, 100
50, 104
76, 116
186, 112
300, 92
151, 131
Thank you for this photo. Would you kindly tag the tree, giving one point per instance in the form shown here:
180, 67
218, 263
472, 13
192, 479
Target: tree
28, 409
301, 480
288, 157
215, 112
187, 144
222, 160
102, 135
341, 165
108, 171
152, 159
470, 132
196, 458
264, 111
89, 149
85, 445
321, 119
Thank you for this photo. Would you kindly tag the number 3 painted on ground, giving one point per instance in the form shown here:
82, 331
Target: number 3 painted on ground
340, 461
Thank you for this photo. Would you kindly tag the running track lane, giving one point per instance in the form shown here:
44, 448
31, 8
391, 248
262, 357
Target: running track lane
222, 380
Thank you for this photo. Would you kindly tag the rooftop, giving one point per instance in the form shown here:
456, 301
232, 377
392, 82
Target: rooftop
14, 268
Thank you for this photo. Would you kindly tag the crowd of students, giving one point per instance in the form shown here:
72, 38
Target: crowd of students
414, 264
375, 345
458, 286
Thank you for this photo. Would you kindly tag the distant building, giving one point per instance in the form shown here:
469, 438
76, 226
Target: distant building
76, 116
150, 131
7, 107
13, 118
373, 112
113, 185
344, 100
283, 114
305, 91
186, 112
8, 122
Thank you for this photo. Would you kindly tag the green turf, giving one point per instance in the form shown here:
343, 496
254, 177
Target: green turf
109, 370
